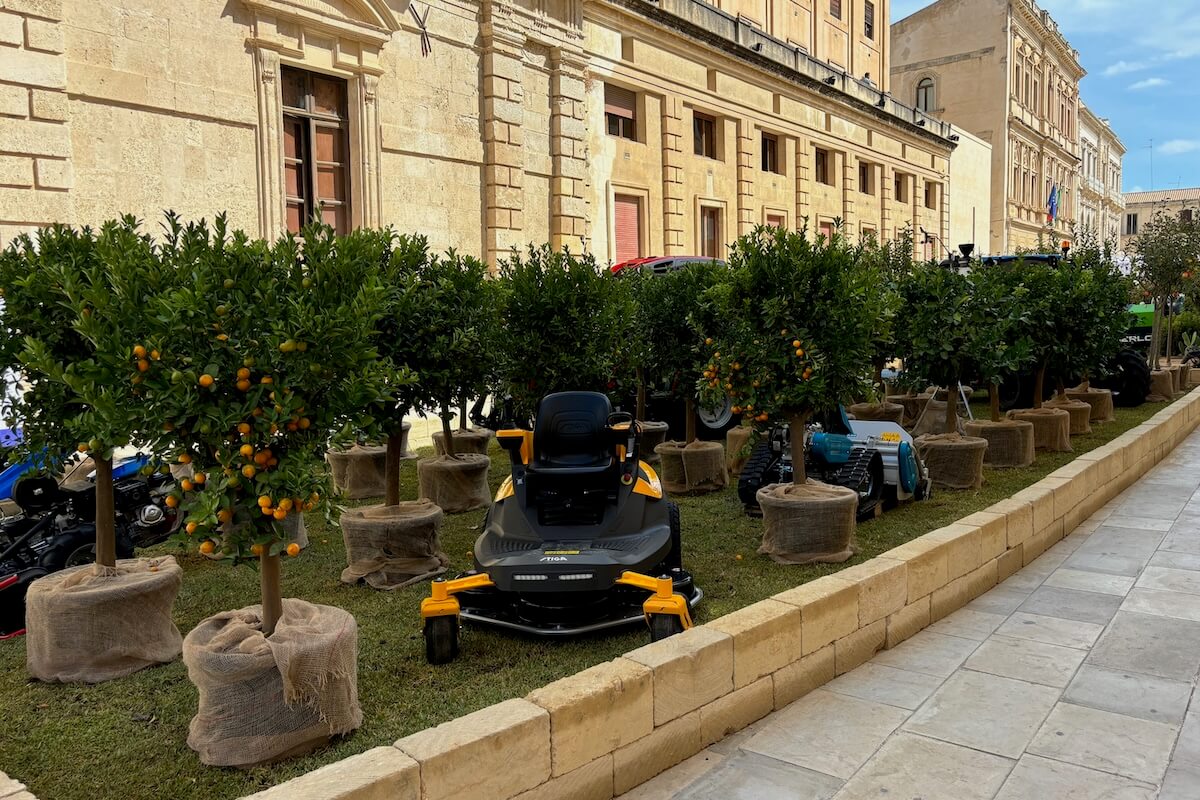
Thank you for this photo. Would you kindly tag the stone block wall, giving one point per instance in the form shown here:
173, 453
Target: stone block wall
603, 731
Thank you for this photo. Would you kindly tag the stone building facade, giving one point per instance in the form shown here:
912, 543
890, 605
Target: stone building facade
1101, 203
1142, 207
617, 126
1002, 70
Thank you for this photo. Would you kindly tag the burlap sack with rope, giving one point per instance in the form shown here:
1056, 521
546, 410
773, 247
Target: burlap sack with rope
954, 461
941, 394
358, 472
912, 404
472, 440
1176, 377
653, 433
1100, 401
89, 624
883, 412
1080, 414
456, 483
933, 419
1010, 442
1051, 427
1162, 387
808, 523
391, 547
737, 448
696, 468
262, 700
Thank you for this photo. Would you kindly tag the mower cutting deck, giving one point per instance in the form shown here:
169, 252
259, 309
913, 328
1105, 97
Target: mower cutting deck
576, 538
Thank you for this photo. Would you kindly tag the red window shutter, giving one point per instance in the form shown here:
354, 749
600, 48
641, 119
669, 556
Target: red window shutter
776, 220
619, 102
627, 217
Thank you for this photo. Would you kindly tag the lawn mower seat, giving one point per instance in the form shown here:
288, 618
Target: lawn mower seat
571, 437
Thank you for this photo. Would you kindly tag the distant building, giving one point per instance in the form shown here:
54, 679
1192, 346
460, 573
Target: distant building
1001, 70
1101, 204
1142, 207
970, 197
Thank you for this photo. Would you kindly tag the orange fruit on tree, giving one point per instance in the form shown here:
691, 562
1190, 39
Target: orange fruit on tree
81, 447
261, 458
266, 379
293, 427
305, 423
185, 458
258, 412
268, 512
243, 385
286, 504
248, 471
139, 351
207, 546
244, 428
279, 514
154, 354
222, 337
264, 501
143, 365
273, 462
257, 550
246, 450
191, 528
200, 477
243, 373
795, 343
172, 501
186, 485
225, 515
206, 380
293, 549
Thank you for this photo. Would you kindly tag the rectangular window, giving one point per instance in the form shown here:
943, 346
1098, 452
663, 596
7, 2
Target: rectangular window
627, 227
620, 111
866, 177
823, 169
869, 20
1131, 224
1037, 98
316, 149
1186, 215
776, 220
826, 230
931, 193
704, 131
900, 188
869, 234
770, 154
710, 232
835, 9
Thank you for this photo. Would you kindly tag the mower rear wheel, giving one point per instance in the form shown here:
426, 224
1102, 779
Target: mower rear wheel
441, 639
675, 557
663, 626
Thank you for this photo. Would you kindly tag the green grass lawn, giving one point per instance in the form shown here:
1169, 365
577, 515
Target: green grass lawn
126, 738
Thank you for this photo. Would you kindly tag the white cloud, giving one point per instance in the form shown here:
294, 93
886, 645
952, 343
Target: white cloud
1177, 147
1124, 68
1149, 83
1136, 189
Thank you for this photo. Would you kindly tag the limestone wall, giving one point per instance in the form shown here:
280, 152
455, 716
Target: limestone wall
971, 183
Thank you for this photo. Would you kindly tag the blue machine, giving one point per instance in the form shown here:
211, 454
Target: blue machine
9, 438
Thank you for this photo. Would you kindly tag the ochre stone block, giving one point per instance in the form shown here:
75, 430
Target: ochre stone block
993, 533
859, 647
882, 587
1020, 519
982, 579
1010, 563
801, 677
766, 637
828, 610
592, 781
964, 547
498, 751
948, 599
596, 711
1040, 497
736, 710
636, 763
690, 669
383, 773
907, 621
928, 565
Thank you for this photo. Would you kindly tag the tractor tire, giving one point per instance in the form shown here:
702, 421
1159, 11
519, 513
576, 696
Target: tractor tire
674, 559
1129, 380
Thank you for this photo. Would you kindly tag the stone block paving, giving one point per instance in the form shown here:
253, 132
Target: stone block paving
1075, 679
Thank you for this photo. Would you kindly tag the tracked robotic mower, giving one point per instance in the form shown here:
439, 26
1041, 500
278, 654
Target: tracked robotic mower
580, 538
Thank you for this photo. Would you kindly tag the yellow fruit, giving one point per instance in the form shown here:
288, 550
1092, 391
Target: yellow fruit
279, 514
191, 528
708, 341
222, 337
248, 471
293, 549
206, 380
799, 353
243, 374
268, 512
207, 546
736, 409
738, 556
266, 379
225, 516
257, 550
243, 385
200, 477
81, 447
795, 343
143, 365
264, 501
305, 423
185, 459
246, 450
154, 355
286, 504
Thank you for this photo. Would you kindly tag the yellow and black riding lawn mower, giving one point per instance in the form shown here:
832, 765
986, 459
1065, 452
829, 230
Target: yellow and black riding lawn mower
579, 539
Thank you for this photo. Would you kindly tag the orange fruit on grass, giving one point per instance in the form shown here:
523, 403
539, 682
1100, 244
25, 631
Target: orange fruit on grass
293, 549
207, 546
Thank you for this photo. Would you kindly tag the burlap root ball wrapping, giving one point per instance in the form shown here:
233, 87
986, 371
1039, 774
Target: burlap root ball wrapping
883, 412
696, 468
941, 394
808, 523
1051, 427
737, 449
1099, 399
1080, 414
456, 483
391, 547
90, 624
1162, 387
933, 419
913, 407
472, 440
653, 433
1010, 442
954, 461
263, 700
358, 472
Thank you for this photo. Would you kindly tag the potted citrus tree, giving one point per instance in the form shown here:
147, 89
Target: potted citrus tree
70, 327
797, 323
1106, 294
265, 358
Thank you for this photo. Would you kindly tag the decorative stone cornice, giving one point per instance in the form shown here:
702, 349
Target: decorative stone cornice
374, 23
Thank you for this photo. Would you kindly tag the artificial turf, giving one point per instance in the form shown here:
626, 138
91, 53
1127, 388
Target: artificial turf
127, 738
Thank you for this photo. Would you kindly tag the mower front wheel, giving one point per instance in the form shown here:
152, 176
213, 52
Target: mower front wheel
441, 639
663, 626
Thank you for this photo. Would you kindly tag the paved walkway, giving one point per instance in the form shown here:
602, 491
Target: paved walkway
1075, 679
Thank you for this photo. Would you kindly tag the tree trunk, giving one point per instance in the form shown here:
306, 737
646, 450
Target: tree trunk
1170, 332
796, 427
391, 470
1039, 386
462, 413
106, 533
272, 591
1061, 388
1085, 382
449, 444
640, 409
994, 400
951, 422
689, 420
1155, 332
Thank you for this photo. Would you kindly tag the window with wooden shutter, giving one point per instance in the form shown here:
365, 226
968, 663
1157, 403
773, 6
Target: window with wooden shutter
869, 20
776, 220
620, 111
704, 132
316, 149
627, 225
770, 154
822, 167
835, 9
710, 232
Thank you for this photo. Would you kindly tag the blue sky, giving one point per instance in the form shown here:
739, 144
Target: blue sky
1143, 64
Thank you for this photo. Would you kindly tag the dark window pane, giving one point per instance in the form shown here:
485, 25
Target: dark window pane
329, 96
294, 85
293, 134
